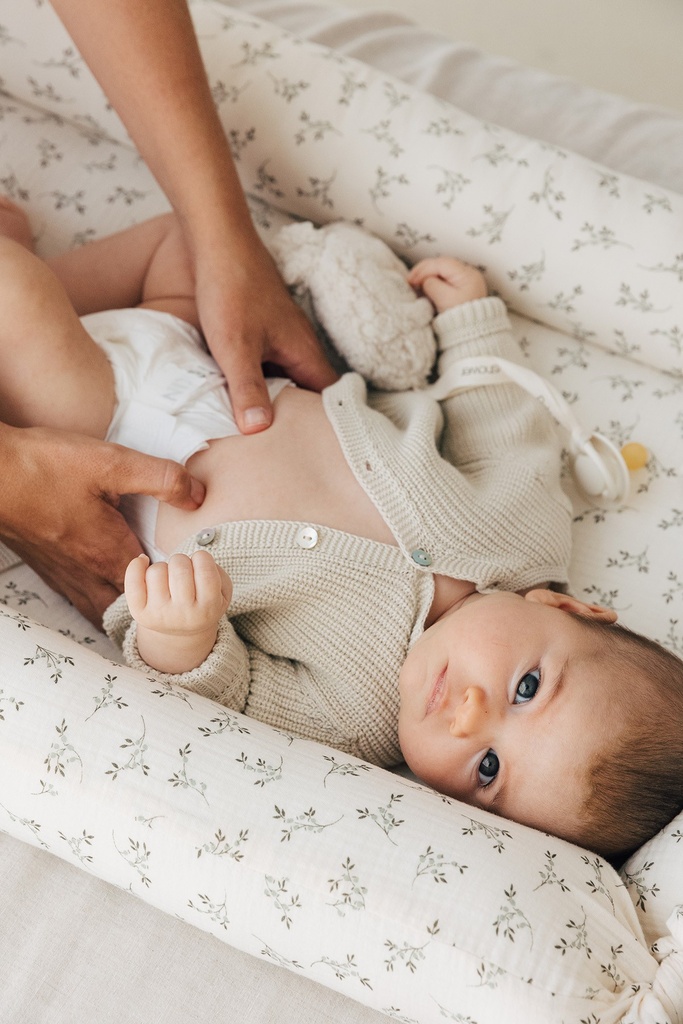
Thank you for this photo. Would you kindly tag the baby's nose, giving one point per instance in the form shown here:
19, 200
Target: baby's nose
470, 715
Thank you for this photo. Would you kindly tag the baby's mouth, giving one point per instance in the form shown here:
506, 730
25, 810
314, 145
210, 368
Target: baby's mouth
437, 694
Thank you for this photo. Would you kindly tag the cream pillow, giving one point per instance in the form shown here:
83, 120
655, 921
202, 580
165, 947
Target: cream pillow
591, 252
417, 906
654, 876
414, 905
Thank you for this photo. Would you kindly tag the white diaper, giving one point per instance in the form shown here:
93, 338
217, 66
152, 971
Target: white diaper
171, 397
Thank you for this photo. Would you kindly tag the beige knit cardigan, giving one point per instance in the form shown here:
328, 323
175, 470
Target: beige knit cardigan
321, 620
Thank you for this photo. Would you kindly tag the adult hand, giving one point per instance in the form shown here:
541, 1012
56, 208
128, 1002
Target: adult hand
59, 508
146, 58
248, 318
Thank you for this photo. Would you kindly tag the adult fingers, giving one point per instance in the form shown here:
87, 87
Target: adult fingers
131, 472
91, 576
299, 354
58, 512
251, 405
249, 319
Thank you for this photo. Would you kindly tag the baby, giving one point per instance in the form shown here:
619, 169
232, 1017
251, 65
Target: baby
374, 570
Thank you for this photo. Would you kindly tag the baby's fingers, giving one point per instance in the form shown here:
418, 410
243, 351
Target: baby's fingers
181, 580
433, 266
212, 583
158, 586
135, 583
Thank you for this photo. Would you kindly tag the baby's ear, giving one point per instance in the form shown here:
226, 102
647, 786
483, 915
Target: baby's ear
567, 603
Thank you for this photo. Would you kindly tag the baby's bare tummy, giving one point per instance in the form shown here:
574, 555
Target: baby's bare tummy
295, 470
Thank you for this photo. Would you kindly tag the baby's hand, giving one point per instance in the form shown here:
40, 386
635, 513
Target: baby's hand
447, 282
177, 606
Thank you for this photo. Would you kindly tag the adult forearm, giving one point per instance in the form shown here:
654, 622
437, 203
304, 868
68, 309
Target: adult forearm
146, 59
145, 55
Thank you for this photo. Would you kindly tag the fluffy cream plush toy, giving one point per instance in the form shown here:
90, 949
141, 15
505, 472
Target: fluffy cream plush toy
361, 298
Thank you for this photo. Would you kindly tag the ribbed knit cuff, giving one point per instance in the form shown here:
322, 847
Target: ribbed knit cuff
471, 321
223, 675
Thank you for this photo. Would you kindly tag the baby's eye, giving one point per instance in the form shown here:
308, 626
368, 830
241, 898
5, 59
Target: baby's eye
488, 768
527, 687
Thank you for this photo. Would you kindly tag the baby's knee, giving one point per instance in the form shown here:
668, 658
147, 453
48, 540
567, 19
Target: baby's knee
14, 223
19, 268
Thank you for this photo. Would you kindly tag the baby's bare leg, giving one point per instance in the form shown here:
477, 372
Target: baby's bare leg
144, 265
14, 223
52, 373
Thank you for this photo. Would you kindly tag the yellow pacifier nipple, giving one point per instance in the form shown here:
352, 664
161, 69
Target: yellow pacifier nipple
635, 455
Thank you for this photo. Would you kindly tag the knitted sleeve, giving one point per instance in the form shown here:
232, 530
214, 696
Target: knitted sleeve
223, 675
280, 691
508, 447
497, 422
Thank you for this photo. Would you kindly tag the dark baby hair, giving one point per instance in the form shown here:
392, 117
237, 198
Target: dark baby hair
636, 783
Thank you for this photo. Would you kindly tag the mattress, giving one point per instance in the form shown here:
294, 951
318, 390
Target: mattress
73, 947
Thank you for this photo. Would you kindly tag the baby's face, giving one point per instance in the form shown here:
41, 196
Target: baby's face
504, 703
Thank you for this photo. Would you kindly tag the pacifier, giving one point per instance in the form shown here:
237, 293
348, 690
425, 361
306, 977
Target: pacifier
600, 469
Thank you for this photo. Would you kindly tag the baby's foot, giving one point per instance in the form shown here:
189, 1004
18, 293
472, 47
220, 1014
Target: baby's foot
14, 223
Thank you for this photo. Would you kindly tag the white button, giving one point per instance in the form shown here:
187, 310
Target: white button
206, 536
307, 537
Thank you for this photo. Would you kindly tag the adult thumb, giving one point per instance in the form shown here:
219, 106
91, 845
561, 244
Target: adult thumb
249, 396
136, 473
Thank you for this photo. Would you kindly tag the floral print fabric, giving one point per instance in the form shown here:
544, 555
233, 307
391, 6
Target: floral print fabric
359, 879
362, 880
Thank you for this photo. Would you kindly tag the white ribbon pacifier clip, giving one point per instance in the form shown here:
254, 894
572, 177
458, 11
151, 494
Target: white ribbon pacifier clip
597, 465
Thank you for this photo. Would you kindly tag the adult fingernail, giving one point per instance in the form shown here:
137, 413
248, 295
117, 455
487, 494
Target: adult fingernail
256, 417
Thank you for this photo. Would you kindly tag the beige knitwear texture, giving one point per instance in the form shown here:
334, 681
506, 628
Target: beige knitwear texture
316, 636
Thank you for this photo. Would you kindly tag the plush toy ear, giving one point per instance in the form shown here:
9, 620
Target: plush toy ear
361, 297
567, 603
296, 249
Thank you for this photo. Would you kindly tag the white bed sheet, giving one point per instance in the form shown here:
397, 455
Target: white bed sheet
73, 948
638, 139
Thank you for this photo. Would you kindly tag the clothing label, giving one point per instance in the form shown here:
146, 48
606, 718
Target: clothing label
597, 465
